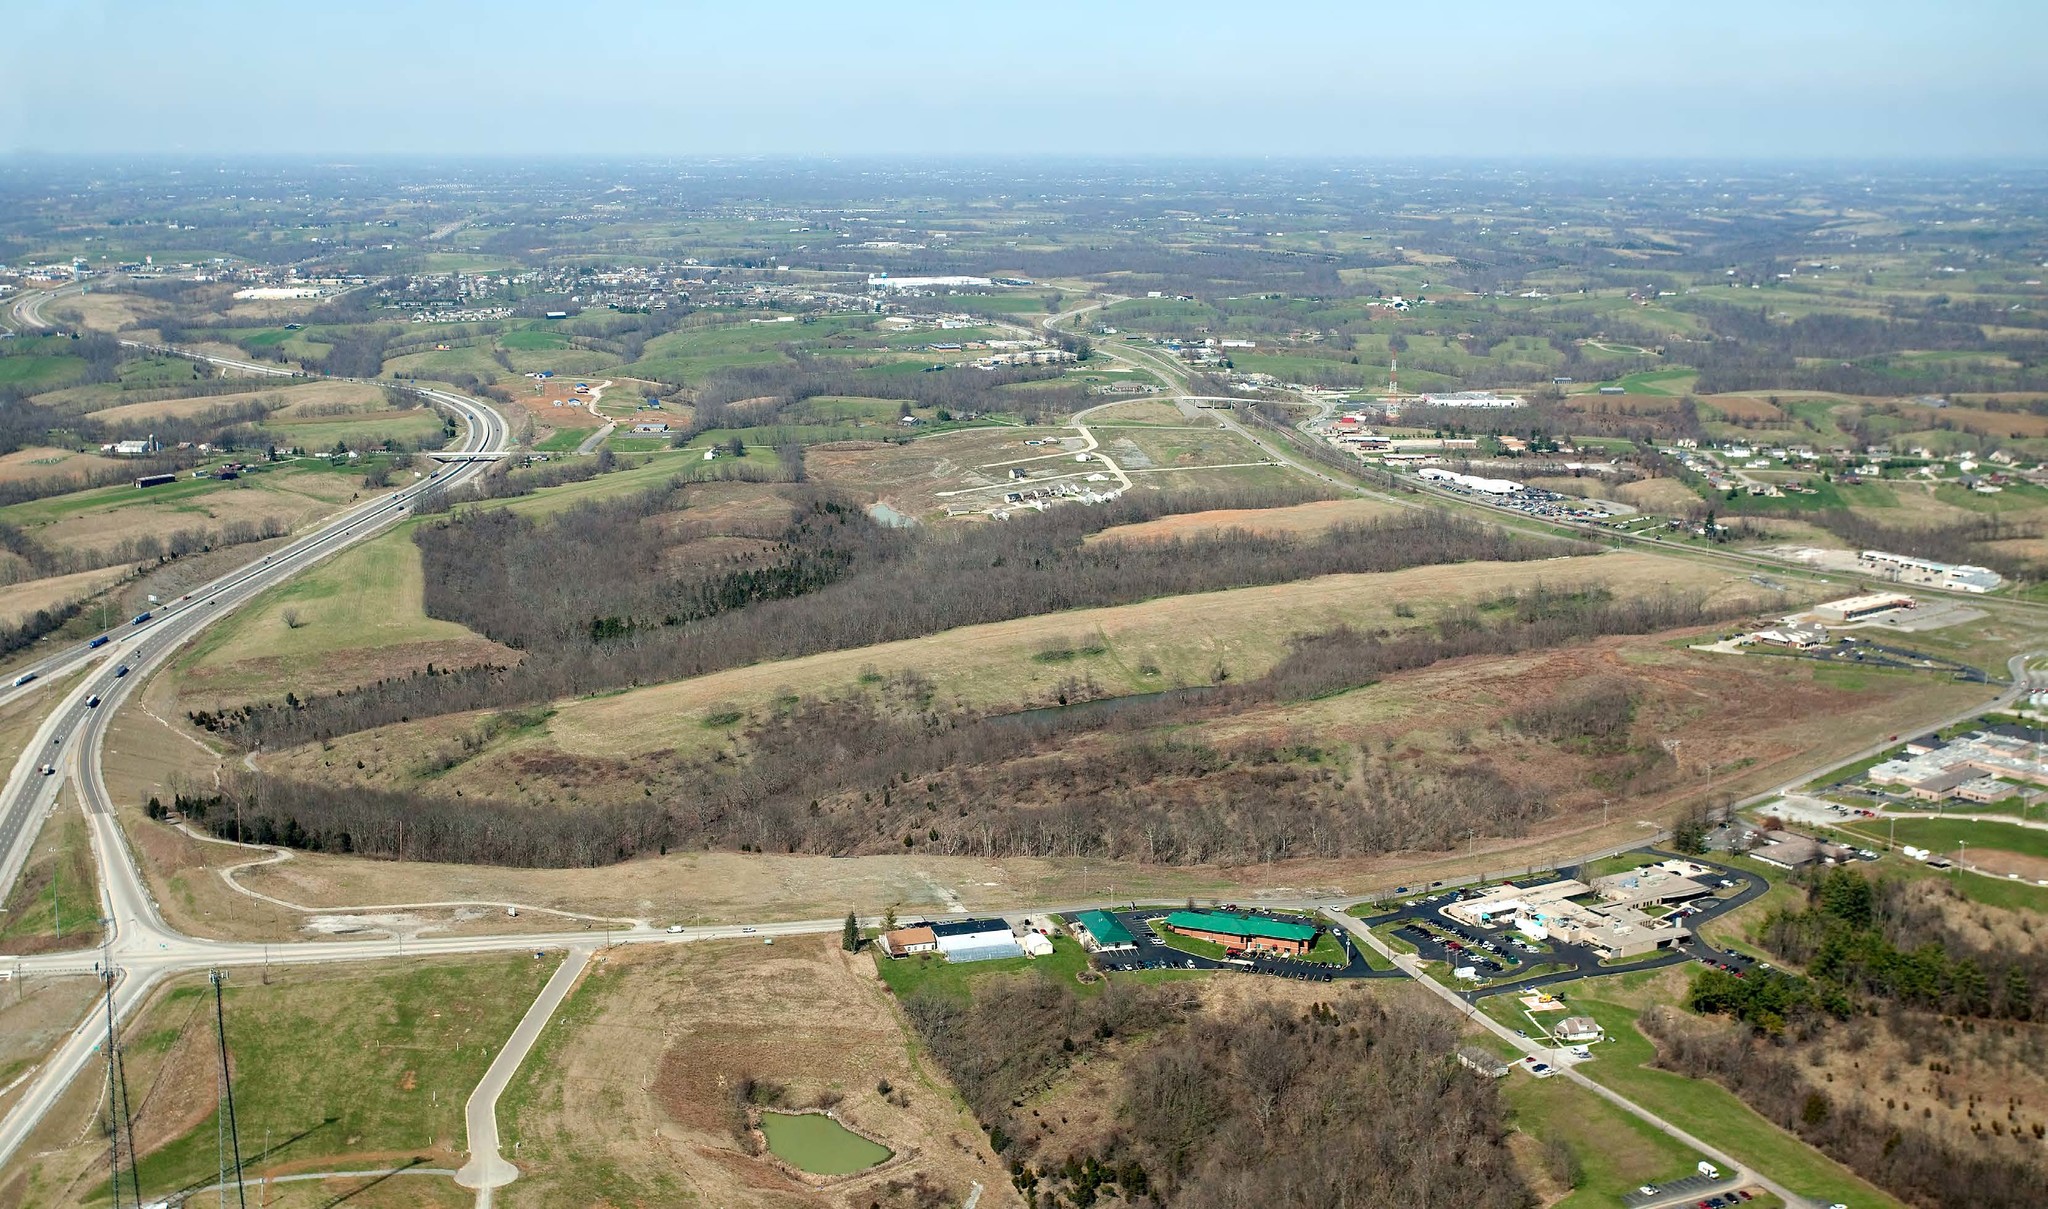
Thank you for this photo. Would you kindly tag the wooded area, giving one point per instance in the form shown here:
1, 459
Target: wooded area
1267, 1107
834, 580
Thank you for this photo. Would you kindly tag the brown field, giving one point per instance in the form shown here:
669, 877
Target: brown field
37, 463
111, 312
1977, 420
301, 401
22, 599
1737, 408
645, 1055
910, 477
1730, 745
35, 1014
1622, 405
1658, 495
1137, 411
558, 410
1181, 640
296, 499
1298, 521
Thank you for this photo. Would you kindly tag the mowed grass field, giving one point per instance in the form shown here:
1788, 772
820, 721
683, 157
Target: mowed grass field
1702, 1108
359, 614
1617, 1151
335, 1068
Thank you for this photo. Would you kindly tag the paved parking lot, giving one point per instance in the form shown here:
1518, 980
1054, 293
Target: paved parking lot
1155, 954
1496, 953
1688, 1192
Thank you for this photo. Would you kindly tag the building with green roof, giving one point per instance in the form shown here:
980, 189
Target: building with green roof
1104, 930
1248, 932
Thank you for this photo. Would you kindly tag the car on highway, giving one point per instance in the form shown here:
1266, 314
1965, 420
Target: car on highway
93, 702
49, 770
748, 931
674, 929
99, 642
120, 671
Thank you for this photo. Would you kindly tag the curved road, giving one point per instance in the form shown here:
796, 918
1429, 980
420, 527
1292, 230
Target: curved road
144, 950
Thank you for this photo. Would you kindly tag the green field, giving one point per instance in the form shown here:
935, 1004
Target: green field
1708, 1110
328, 1063
55, 902
564, 440
1617, 1151
533, 340
367, 597
907, 976
34, 372
1945, 836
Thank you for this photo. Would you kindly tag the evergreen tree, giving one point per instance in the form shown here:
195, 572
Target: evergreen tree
849, 937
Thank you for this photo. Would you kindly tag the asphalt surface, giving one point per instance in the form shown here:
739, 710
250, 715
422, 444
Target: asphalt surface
144, 951
1498, 952
139, 945
487, 1169
1154, 953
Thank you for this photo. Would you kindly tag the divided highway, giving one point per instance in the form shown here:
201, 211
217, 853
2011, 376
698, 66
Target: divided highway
144, 951
139, 944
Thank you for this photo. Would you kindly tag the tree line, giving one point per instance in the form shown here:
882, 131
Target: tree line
1115, 779
895, 584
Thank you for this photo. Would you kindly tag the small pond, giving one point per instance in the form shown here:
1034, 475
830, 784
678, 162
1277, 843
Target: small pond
814, 1142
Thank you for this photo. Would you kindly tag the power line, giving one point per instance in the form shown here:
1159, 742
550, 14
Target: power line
228, 1140
120, 1118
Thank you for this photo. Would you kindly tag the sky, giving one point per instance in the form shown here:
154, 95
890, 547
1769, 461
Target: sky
1423, 78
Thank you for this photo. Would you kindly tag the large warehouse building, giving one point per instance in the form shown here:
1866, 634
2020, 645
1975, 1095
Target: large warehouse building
1251, 933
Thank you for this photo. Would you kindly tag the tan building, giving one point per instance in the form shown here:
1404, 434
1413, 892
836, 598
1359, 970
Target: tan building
905, 941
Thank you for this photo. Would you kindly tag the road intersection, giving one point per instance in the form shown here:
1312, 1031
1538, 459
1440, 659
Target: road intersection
143, 951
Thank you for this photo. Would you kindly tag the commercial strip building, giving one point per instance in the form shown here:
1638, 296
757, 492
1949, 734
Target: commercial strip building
1956, 577
1470, 482
1250, 933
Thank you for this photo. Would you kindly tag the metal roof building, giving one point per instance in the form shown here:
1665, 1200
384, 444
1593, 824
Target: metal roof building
1244, 931
1104, 930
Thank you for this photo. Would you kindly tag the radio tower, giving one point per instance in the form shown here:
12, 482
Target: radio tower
228, 1140
120, 1120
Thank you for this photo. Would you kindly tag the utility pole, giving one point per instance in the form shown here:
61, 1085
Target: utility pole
120, 1123
228, 1141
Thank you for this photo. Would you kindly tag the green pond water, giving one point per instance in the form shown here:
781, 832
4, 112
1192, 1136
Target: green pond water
818, 1144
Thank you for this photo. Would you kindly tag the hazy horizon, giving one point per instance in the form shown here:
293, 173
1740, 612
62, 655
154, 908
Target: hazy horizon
628, 79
